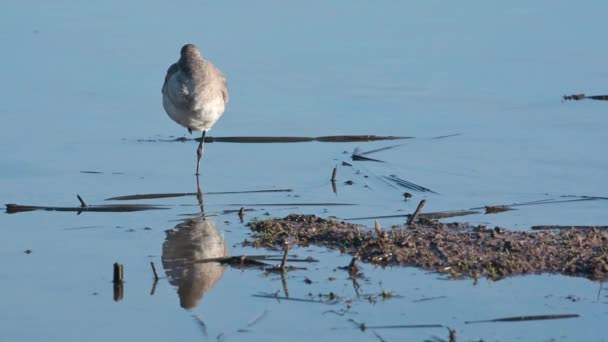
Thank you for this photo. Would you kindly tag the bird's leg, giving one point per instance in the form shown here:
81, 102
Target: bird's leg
199, 152
199, 195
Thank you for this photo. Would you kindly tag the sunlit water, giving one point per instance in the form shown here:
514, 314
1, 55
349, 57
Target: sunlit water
81, 86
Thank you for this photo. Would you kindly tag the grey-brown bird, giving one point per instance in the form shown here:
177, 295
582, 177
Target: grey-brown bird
195, 94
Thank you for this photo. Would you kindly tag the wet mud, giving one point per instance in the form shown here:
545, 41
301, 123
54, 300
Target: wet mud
457, 249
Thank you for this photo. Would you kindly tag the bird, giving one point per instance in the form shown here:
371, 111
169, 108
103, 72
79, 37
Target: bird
195, 94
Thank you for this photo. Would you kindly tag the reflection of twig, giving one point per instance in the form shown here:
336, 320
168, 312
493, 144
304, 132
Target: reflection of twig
342, 312
201, 323
379, 149
331, 299
153, 287
407, 184
363, 326
426, 299
284, 282
257, 319
380, 338
353, 273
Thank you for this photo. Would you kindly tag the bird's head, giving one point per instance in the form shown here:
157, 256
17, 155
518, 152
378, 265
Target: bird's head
190, 50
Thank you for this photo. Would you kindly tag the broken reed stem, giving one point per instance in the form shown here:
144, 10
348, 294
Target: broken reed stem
415, 214
452, 334
284, 261
82, 203
118, 274
333, 174
154, 270
378, 228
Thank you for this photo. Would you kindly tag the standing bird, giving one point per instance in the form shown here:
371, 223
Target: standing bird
194, 94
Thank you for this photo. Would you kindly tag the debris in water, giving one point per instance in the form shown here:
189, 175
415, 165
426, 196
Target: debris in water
114, 208
525, 318
183, 194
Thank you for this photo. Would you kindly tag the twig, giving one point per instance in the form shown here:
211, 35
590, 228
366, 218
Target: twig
415, 214
333, 174
82, 203
154, 270
287, 246
452, 334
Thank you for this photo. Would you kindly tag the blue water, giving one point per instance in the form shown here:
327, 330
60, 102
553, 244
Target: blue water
81, 87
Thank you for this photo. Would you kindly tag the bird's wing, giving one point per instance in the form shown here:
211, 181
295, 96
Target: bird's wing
225, 93
172, 70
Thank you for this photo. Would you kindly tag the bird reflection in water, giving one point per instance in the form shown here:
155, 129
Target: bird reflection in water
191, 240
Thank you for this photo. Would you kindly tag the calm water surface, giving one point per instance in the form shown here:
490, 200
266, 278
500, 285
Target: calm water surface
82, 87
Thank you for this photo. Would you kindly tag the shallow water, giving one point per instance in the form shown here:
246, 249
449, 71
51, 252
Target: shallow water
82, 89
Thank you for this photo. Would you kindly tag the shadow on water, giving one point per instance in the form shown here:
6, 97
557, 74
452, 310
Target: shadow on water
191, 240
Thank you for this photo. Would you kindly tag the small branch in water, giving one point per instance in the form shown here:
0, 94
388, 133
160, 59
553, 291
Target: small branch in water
525, 318
333, 180
118, 277
118, 280
378, 228
578, 97
114, 208
495, 209
452, 334
575, 97
154, 271
363, 326
241, 214
331, 299
82, 203
287, 246
183, 194
414, 216
253, 261
290, 204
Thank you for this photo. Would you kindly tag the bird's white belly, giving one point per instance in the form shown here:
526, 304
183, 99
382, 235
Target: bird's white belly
204, 115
